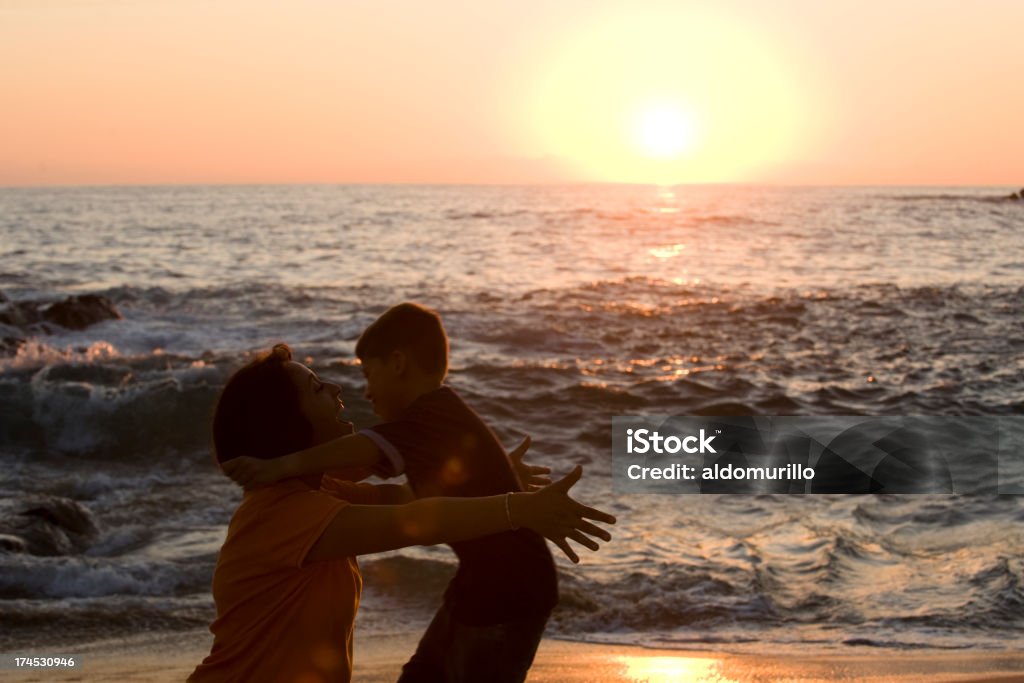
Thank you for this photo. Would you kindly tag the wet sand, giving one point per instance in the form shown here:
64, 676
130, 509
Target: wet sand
162, 658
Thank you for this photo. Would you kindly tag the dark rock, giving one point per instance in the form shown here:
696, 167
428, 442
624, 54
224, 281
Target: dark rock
19, 314
47, 525
22, 319
12, 544
65, 513
79, 312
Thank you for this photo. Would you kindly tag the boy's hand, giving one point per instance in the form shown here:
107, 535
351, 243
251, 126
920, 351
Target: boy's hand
531, 476
254, 472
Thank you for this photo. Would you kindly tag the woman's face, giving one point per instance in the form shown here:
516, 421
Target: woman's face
319, 401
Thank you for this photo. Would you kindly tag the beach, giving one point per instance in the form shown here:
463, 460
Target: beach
755, 269
566, 307
378, 659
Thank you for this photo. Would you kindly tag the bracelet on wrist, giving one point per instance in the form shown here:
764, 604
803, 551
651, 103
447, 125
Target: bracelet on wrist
508, 511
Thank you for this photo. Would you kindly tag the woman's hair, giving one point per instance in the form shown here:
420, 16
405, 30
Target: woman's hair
258, 413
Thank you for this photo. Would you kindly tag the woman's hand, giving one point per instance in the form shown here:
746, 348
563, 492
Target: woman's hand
254, 472
553, 514
531, 476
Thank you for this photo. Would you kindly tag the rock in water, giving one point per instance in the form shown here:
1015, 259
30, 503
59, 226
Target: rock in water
79, 312
46, 525
12, 544
19, 315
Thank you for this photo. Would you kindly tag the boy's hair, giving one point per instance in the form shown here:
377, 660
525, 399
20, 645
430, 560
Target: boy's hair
258, 413
413, 329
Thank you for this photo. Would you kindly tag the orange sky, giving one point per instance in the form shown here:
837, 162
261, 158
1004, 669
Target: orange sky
530, 91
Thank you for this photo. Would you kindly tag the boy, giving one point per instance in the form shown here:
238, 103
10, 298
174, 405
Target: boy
497, 605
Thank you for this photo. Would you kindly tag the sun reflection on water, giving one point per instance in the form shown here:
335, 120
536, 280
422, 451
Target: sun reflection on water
668, 251
673, 670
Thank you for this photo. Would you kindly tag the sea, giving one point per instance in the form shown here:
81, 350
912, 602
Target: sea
566, 306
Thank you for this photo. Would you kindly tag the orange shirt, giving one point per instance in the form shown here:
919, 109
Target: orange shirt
278, 620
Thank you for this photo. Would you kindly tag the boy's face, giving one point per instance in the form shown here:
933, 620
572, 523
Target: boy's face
383, 386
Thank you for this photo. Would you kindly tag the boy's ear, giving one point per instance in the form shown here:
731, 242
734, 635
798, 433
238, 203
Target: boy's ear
398, 361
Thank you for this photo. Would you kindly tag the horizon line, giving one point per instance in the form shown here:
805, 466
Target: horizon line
575, 183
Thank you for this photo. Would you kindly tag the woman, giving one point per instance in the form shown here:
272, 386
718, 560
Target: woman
287, 584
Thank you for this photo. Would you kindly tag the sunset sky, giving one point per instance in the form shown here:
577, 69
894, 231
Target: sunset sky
495, 91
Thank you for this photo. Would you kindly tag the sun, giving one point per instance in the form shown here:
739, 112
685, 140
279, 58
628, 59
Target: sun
663, 131
673, 92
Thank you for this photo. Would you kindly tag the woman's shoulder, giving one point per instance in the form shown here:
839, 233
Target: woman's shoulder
287, 498
282, 519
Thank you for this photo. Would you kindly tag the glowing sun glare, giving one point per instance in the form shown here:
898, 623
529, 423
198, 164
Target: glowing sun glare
664, 132
677, 92
674, 670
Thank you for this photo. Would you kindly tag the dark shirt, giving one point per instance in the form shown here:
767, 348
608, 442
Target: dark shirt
447, 450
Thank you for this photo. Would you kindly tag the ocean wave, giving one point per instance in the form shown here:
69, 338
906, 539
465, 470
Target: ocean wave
810, 352
952, 197
702, 351
90, 577
32, 623
900, 644
104, 404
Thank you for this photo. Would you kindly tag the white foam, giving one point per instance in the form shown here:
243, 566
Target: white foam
82, 577
35, 354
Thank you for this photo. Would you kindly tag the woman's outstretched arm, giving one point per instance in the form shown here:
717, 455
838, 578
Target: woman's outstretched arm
355, 453
363, 529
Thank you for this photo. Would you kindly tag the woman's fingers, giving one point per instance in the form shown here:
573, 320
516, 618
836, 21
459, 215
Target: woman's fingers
517, 454
535, 470
564, 545
569, 480
538, 482
572, 517
593, 513
593, 530
583, 539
